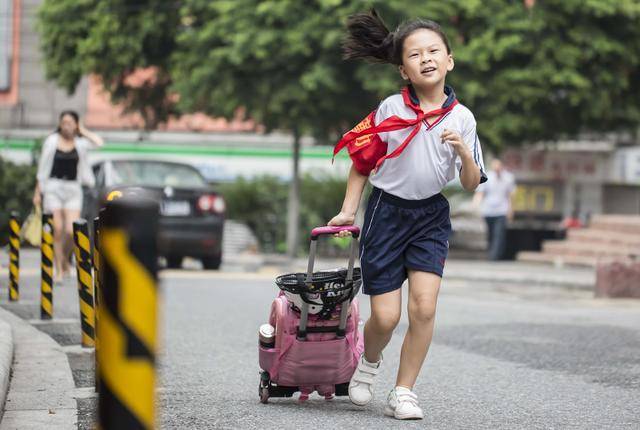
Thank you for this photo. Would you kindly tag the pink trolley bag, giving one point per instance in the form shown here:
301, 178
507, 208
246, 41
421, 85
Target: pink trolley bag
313, 343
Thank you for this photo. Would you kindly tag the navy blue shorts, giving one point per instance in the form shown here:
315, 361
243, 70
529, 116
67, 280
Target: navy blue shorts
399, 235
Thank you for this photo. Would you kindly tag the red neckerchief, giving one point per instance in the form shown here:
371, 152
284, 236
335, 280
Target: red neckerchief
360, 136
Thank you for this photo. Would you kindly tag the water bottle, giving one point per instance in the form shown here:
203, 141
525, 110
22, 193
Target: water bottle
267, 336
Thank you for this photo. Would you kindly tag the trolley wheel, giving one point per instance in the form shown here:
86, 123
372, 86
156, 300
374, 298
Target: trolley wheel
264, 395
342, 389
263, 387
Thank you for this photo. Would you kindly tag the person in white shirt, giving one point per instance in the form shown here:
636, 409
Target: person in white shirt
496, 200
63, 169
408, 149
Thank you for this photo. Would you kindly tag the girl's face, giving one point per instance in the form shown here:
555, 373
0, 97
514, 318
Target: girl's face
425, 60
68, 126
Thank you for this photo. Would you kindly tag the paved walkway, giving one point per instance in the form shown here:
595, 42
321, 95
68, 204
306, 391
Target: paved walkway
509, 272
41, 390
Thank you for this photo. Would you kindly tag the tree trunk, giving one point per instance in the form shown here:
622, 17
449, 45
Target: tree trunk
293, 212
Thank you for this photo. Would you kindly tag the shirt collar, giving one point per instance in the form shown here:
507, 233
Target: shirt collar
411, 98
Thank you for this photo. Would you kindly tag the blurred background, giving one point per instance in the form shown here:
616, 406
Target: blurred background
254, 94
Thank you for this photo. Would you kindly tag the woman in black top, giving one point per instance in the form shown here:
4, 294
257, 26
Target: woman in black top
62, 170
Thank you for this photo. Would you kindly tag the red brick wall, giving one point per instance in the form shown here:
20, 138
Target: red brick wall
102, 114
10, 98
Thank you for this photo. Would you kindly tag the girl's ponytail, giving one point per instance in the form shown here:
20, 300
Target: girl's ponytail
368, 38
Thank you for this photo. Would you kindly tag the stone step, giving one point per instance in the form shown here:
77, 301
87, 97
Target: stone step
594, 235
557, 260
238, 238
618, 223
567, 247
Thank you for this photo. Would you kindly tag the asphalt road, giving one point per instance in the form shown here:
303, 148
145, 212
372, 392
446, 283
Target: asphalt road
503, 357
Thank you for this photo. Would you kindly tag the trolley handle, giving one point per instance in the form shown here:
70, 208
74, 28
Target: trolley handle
334, 229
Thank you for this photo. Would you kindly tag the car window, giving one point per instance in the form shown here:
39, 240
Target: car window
155, 174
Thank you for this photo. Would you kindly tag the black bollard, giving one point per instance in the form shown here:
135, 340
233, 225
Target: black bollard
127, 314
14, 257
46, 282
96, 292
85, 281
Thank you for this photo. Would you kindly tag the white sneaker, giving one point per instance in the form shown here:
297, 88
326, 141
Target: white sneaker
361, 384
402, 404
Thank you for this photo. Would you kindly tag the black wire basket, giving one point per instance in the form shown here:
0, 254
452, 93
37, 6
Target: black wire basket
330, 287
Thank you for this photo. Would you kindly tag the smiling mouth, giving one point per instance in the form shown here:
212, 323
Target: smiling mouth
428, 70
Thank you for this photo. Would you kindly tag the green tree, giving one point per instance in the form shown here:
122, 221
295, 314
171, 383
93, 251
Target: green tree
113, 39
549, 71
258, 202
528, 70
16, 191
278, 60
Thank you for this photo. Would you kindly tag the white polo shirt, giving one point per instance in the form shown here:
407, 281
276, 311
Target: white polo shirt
426, 165
497, 193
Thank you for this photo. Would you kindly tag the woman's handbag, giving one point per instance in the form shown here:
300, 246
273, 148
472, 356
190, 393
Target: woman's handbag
32, 228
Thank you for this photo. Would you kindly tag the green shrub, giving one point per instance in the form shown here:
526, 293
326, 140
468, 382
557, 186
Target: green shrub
17, 182
321, 200
261, 203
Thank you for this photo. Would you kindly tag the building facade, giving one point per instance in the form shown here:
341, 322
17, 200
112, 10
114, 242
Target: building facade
28, 100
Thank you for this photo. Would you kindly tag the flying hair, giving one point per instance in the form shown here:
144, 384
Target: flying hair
368, 38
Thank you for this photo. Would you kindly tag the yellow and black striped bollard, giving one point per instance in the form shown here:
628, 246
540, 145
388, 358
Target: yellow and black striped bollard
46, 280
85, 281
128, 308
14, 257
96, 291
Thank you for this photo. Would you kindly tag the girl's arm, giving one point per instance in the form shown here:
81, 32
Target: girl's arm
347, 215
470, 173
93, 137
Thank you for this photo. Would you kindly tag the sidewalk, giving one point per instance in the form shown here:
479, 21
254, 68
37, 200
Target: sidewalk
40, 393
522, 274
503, 272
6, 359
513, 272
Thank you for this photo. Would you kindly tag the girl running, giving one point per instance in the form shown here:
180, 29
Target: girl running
408, 149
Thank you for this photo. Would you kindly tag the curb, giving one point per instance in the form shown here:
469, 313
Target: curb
522, 280
476, 271
542, 277
42, 388
6, 359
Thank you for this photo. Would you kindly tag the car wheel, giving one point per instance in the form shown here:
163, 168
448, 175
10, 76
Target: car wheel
211, 262
174, 261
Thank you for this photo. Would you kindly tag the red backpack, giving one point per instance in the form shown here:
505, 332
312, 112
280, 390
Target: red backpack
368, 151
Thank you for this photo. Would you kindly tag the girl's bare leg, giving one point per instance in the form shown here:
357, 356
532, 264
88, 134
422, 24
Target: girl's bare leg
385, 314
423, 297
